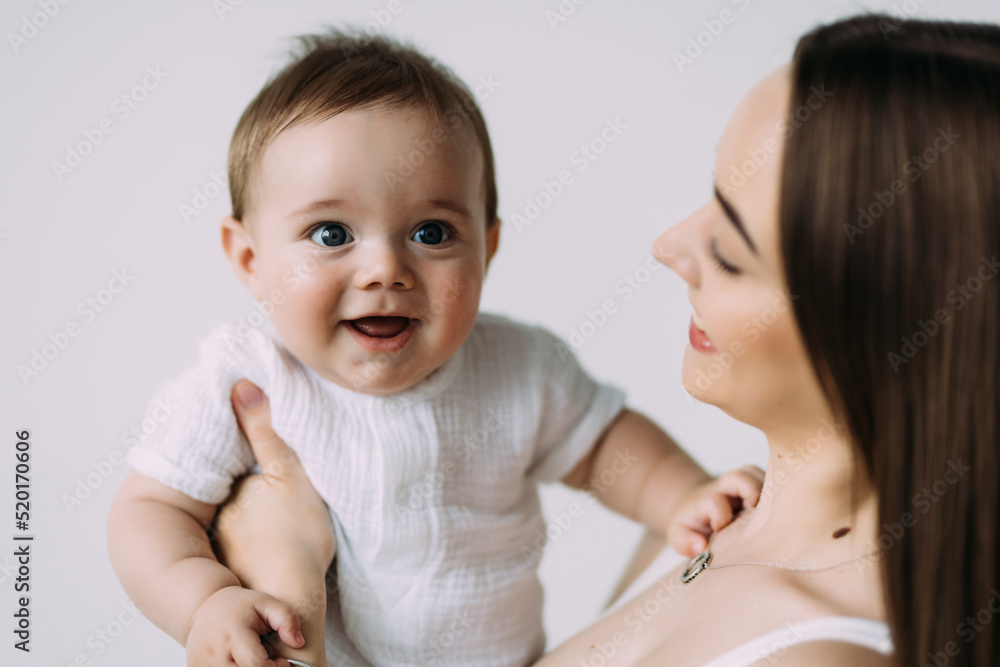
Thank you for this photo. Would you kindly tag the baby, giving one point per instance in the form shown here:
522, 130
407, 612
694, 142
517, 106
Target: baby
364, 219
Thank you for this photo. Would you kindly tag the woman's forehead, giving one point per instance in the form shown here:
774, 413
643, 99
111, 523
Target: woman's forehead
749, 158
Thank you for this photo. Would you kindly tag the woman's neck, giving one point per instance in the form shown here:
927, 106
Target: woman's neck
813, 490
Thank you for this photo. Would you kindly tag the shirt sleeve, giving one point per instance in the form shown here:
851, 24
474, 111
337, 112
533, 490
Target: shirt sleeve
575, 410
196, 446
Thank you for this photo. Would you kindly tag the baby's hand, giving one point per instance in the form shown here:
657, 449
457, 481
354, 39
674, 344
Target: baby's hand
711, 506
227, 627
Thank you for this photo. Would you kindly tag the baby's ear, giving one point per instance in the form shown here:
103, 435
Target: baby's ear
237, 243
492, 240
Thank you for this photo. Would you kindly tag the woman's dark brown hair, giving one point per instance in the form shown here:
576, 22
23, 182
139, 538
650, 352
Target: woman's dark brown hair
890, 218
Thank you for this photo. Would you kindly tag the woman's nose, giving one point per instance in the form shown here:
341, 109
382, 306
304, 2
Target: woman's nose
676, 248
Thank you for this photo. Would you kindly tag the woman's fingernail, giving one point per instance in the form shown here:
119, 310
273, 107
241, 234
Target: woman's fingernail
249, 394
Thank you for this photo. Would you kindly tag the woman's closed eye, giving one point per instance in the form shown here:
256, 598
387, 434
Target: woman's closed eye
713, 252
433, 233
330, 235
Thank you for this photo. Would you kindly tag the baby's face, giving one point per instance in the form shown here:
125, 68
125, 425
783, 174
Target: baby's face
371, 226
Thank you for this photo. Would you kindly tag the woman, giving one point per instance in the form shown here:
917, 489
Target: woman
849, 273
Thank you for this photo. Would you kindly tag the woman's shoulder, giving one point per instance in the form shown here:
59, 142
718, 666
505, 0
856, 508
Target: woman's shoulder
838, 640
825, 621
848, 588
820, 618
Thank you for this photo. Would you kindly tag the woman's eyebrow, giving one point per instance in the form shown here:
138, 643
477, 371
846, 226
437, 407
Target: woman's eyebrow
734, 218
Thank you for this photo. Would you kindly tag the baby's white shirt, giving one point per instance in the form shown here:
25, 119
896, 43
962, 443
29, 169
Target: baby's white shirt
432, 491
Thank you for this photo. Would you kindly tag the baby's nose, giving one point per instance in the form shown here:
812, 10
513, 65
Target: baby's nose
384, 265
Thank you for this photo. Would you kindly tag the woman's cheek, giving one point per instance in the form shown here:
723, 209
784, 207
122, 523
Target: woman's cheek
750, 333
776, 345
765, 324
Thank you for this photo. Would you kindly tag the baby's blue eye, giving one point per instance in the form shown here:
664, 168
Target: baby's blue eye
432, 233
331, 235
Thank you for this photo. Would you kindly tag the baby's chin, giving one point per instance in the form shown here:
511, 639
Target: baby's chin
373, 379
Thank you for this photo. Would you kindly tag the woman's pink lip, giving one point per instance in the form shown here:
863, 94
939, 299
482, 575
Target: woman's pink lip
699, 341
394, 344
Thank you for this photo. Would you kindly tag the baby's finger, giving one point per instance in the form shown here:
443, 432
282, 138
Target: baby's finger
756, 472
282, 618
718, 510
248, 651
741, 485
688, 541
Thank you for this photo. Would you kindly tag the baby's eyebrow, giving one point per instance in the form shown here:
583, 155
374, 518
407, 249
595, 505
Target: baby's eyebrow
323, 205
320, 206
451, 205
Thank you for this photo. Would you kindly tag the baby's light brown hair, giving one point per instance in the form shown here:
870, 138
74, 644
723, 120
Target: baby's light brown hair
338, 71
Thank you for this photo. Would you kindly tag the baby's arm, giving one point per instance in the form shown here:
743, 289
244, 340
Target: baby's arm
639, 471
161, 553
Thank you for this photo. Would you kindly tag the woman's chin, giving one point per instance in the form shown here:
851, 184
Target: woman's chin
702, 376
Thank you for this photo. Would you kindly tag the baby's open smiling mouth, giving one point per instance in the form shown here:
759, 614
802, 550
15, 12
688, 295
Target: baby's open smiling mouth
382, 333
380, 327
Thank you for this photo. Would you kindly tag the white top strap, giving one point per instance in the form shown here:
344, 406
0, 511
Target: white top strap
861, 631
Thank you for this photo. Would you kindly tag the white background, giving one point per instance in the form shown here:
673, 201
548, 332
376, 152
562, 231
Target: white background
558, 84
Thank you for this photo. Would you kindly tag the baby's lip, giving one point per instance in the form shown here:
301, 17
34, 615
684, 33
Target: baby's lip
391, 313
382, 325
382, 333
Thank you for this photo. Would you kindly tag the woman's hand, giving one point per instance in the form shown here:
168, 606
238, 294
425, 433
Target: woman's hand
275, 532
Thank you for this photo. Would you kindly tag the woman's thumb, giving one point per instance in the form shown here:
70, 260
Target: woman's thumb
249, 395
253, 412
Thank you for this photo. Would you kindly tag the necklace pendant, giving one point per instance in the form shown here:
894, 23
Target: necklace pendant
696, 566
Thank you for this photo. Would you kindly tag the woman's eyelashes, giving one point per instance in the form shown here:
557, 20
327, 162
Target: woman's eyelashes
330, 235
713, 252
433, 233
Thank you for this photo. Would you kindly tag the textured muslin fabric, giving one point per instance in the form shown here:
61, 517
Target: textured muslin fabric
432, 491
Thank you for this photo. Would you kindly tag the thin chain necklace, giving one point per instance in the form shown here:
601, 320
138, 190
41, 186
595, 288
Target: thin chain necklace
702, 561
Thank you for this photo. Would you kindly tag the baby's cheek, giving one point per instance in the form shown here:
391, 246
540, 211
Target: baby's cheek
456, 312
468, 306
451, 288
304, 315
